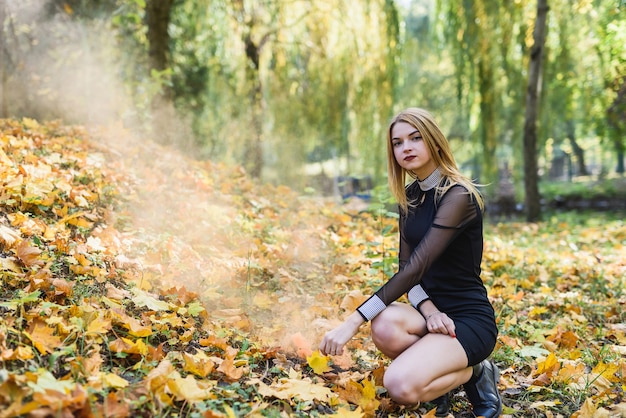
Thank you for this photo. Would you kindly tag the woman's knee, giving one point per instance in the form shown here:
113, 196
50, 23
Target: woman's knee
384, 326
405, 390
387, 331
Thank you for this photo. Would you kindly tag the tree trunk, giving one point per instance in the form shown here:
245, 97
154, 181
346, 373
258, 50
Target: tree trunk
489, 164
157, 20
3, 79
578, 151
253, 160
616, 117
531, 180
253, 154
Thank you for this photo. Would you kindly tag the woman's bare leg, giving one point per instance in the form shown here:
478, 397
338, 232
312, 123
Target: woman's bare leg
425, 365
397, 328
431, 367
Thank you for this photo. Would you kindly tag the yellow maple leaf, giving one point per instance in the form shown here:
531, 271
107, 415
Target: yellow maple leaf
159, 375
367, 400
189, 389
586, 411
99, 325
135, 328
571, 372
318, 362
43, 337
607, 371
287, 389
549, 366
113, 380
347, 413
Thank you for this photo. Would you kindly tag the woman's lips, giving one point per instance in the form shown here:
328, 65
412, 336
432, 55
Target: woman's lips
409, 158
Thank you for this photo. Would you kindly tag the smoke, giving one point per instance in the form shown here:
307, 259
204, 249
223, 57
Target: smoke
254, 254
57, 67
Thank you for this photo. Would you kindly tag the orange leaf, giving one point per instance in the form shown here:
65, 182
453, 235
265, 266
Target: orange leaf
353, 300
134, 327
124, 345
92, 364
199, 364
29, 255
114, 407
62, 287
213, 341
43, 337
20, 353
156, 354
231, 372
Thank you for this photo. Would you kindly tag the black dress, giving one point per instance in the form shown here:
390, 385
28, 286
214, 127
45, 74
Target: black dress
441, 245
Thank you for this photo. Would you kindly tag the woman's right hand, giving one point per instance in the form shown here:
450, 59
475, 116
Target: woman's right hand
335, 339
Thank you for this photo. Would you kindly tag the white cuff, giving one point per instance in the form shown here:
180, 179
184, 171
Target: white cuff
371, 307
417, 295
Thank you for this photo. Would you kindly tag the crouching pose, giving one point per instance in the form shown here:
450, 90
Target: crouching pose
444, 339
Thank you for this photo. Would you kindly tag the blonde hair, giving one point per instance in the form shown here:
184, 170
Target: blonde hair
440, 152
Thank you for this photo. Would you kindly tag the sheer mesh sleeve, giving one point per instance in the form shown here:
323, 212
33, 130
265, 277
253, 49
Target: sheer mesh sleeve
455, 210
417, 295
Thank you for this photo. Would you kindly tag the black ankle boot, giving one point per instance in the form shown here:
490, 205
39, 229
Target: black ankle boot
443, 405
482, 390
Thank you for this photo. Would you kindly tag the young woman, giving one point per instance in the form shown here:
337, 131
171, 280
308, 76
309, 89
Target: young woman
444, 339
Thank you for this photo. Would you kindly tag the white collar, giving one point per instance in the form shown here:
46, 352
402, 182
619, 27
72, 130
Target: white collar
431, 181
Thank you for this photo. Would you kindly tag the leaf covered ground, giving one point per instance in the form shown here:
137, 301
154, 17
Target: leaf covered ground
138, 282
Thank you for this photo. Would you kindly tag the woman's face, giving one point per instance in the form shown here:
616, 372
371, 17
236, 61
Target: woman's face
410, 150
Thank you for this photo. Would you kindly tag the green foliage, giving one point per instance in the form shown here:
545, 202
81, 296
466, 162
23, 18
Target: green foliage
584, 189
329, 77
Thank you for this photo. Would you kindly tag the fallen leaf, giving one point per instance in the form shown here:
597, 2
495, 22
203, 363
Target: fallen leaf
43, 337
29, 255
318, 362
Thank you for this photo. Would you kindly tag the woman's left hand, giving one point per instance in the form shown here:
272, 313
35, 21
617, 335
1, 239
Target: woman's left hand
440, 323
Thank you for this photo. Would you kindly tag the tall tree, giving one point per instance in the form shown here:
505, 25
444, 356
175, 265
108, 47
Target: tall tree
255, 32
157, 19
470, 28
612, 51
3, 101
531, 180
486, 87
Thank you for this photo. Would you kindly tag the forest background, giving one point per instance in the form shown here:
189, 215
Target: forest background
153, 263
215, 78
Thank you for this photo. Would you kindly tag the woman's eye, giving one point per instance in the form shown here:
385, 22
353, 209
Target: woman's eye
396, 143
417, 138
